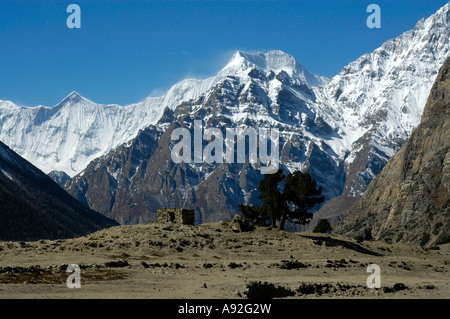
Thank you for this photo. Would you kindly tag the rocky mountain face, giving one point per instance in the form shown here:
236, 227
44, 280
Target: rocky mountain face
33, 206
342, 131
59, 177
409, 200
141, 176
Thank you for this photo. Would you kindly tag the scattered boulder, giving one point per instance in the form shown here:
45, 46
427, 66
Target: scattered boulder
265, 290
233, 265
119, 263
395, 288
308, 289
241, 224
292, 264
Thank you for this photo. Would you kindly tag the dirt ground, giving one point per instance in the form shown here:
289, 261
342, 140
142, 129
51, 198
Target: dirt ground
212, 261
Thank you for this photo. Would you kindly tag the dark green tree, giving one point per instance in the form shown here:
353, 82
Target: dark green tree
293, 203
255, 214
300, 195
271, 197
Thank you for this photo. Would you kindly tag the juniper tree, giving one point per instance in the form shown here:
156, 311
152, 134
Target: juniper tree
299, 195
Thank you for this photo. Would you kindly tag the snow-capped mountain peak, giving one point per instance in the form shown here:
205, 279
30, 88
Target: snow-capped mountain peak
272, 61
73, 98
390, 85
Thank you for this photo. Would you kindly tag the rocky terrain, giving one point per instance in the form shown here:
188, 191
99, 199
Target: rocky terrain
218, 260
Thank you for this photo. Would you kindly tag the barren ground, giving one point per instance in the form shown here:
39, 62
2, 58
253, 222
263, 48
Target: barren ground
212, 261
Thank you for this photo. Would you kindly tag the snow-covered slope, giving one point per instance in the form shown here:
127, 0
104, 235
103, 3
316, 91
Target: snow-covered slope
390, 86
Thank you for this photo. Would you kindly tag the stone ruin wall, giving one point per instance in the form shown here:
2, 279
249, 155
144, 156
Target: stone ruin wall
176, 215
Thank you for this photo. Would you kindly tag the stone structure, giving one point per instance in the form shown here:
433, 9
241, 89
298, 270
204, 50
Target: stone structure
176, 215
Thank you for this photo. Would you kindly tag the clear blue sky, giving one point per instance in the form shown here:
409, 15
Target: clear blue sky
127, 50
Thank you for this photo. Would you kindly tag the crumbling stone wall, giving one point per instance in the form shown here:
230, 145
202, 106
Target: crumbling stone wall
176, 215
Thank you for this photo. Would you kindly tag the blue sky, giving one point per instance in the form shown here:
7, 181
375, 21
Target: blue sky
127, 50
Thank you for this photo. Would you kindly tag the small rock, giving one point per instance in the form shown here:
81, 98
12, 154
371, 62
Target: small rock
117, 263
233, 265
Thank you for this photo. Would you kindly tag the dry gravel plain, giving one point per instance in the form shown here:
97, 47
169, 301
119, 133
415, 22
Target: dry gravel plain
214, 261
